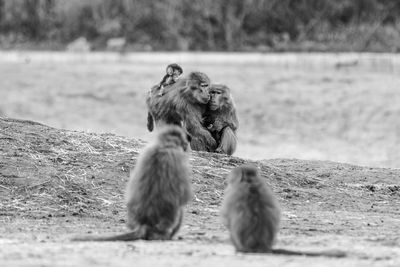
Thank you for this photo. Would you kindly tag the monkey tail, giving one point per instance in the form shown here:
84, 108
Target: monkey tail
131, 236
329, 253
150, 122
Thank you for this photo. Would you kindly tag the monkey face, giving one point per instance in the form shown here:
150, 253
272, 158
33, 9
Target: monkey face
170, 71
201, 94
199, 90
174, 69
215, 100
220, 97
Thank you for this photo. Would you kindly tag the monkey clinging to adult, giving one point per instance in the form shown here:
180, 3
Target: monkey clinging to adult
251, 213
183, 104
173, 72
158, 189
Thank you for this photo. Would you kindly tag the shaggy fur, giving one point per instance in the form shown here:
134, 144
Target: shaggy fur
221, 120
158, 189
183, 104
251, 213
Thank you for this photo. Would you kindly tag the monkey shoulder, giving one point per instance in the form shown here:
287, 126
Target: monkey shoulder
174, 87
172, 154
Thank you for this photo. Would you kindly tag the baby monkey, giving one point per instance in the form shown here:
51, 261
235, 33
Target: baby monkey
158, 189
173, 72
251, 213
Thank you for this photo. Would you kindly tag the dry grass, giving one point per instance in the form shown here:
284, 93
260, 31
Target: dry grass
50, 172
62, 173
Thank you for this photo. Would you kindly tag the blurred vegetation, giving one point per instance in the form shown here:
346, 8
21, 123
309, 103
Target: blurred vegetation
210, 25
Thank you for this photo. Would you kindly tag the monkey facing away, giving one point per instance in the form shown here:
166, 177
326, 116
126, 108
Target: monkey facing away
221, 120
173, 72
251, 213
158, 189
184, 104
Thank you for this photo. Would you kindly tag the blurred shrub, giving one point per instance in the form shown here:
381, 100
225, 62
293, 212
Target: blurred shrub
205, 24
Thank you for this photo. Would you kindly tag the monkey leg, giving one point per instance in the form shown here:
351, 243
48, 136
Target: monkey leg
178, 223
150, 122
228, 142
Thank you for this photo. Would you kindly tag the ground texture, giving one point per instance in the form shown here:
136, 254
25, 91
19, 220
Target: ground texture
56, 184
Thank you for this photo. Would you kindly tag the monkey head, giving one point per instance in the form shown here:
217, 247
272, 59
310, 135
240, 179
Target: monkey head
244, 174
173, 136
220, 97
197, 88
174, 69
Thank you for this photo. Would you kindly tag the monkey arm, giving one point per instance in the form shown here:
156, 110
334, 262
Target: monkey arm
164, 79
235, 122
202, 139
228, 142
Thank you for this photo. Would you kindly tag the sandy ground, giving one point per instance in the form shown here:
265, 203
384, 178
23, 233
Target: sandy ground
56, 184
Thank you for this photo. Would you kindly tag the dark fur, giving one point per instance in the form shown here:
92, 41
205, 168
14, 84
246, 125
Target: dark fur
173, 72
158, 189
251, 213
166, 80
183, 104
221, 120
150, 122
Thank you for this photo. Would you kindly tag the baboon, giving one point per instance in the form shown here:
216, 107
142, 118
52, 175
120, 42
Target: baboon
251, 213
173, 72
158, 189
183, 104
221, 120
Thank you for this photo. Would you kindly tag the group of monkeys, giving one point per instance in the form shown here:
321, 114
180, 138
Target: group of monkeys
160, 186
205, 111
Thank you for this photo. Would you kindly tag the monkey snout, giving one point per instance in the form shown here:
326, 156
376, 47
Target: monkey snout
206, 99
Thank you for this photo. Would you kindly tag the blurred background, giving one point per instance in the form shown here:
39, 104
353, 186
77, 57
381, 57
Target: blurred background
312, 79
205, 25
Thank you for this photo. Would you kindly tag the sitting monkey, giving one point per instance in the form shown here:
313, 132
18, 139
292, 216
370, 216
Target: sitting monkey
220, 119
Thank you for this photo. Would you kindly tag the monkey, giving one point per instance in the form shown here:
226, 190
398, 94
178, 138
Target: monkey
184, 104
221, 119
158, 189
252, 214
173, 72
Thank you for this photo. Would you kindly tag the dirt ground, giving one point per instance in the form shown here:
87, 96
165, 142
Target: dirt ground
56, 184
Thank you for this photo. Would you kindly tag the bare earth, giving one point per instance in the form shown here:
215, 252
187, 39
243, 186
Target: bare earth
55, 184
